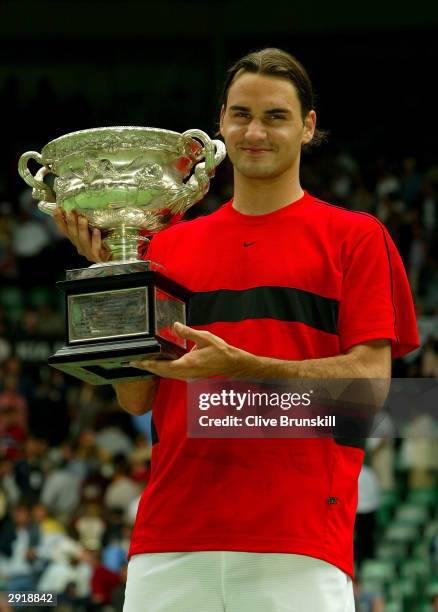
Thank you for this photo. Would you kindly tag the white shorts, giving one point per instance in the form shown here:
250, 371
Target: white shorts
226, 581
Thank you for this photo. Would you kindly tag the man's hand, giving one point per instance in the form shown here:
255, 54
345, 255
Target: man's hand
75, 227
211, 356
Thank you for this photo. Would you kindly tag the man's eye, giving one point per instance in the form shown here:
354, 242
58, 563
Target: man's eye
241, 114
276, 117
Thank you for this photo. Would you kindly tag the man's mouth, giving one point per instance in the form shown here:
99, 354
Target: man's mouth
255, 150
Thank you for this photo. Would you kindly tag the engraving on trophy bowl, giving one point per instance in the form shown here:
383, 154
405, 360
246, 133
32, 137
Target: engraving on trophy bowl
129, 182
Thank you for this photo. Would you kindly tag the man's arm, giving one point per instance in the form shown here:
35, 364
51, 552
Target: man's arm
137, 397
212, 356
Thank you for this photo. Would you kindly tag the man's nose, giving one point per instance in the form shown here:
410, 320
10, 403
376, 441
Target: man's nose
255, 131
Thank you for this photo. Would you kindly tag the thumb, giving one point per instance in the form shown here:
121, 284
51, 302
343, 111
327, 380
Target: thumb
200, 338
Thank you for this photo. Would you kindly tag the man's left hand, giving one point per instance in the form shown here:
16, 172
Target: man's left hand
210, 356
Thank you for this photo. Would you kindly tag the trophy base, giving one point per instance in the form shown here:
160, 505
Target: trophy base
104, 364
118, 313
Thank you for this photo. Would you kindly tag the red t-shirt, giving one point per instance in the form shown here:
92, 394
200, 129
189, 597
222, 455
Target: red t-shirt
307, 281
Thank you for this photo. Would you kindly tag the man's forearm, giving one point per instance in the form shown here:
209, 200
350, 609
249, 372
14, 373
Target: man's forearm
371, 360
137, 397
340, 366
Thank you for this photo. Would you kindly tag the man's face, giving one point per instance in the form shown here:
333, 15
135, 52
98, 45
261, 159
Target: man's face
262, 126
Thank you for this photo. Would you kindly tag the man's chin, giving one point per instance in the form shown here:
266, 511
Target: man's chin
260, 172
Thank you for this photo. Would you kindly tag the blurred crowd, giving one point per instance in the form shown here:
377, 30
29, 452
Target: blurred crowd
72, 464
72, 467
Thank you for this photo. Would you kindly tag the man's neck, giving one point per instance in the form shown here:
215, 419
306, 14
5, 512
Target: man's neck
262, 196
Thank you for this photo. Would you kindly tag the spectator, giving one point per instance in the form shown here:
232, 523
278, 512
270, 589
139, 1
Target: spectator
115, 553
29, 239
429, 359
114, 441
20, 564
103, 581
91, 527
114, 528
61, 490
49, 417
50, 533
85, 403
13, 407
29, 471
382, 452
7, 482
70, 578
411, 182
368, 599
419, 452
368, 503
122, 489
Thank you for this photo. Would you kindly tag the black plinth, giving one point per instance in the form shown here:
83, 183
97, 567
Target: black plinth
117, 314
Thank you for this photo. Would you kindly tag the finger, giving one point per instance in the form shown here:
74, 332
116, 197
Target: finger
58, 217
167, 368
72, 226
84, 240
161, 368
96, 243
97, 249
140, 365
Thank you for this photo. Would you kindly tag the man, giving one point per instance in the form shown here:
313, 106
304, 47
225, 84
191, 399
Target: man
285, 287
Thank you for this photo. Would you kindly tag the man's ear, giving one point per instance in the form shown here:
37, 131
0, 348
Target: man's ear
309, 127
221, 119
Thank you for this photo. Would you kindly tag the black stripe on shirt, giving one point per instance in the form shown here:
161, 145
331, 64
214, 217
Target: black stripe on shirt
280, 303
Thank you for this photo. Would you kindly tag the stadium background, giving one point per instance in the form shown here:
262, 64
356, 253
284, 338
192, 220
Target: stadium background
66, 451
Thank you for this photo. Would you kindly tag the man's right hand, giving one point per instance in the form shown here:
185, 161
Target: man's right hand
87, 242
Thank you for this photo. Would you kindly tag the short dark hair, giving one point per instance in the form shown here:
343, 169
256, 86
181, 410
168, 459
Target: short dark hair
278, 63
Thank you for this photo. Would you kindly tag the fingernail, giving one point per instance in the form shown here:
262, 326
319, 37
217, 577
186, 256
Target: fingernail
82, 220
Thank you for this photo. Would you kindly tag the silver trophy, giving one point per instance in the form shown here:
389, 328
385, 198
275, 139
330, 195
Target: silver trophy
130, 182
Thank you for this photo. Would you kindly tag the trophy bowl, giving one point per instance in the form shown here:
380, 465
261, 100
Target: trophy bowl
129, 182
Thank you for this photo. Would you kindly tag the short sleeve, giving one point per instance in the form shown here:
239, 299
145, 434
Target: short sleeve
376, 300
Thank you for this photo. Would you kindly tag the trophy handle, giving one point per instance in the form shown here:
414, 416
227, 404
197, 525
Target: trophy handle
214, 150
221, 152
40, 190
214, 153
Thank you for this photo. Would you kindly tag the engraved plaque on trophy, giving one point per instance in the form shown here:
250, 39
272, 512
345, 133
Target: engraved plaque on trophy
130, 182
